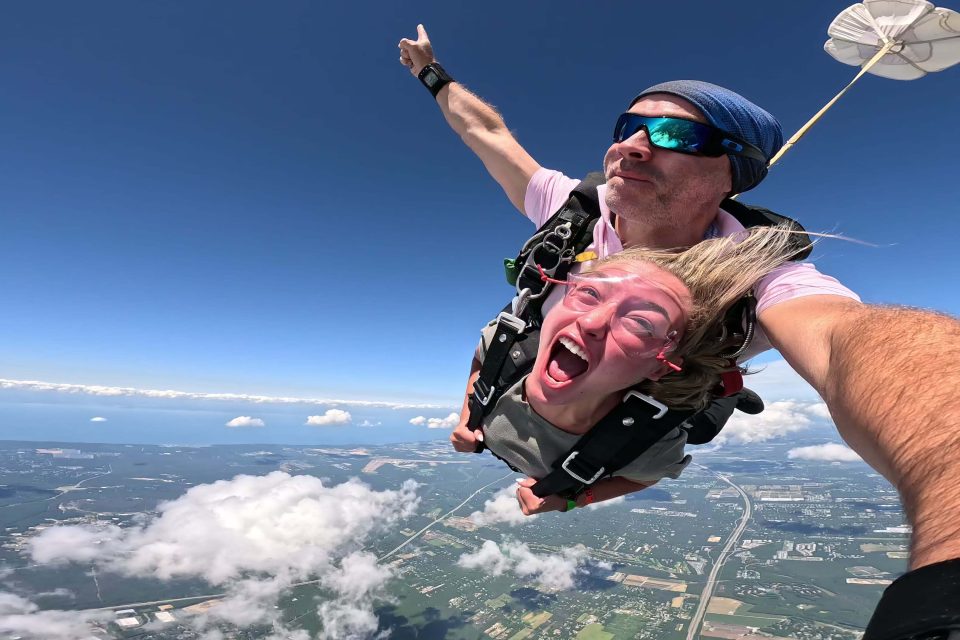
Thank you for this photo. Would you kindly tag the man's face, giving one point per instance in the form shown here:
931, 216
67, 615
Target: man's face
605, 335
647, 184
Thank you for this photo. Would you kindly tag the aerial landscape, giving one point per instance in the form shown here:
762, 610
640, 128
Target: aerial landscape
419, 542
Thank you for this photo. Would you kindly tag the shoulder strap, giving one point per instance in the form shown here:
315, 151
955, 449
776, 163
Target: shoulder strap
557, 242
752, 216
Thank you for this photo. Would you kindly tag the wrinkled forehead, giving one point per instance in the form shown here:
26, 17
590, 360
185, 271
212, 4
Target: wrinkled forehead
658, 105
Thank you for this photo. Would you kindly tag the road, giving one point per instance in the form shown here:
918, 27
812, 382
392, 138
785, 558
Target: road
728, 548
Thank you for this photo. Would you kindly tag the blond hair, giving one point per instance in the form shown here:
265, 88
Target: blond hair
718, 273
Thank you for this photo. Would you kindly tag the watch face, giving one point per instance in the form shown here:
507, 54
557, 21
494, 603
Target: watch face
431, 78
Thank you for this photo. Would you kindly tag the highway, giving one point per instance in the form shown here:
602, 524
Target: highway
728, 548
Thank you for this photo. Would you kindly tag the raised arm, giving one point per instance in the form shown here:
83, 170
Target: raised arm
477, 123
890, 377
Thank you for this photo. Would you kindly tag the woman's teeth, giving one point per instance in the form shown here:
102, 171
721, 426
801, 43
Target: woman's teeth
574, 348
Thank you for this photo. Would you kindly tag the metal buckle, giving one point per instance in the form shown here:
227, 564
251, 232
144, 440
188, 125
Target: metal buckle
483, 397
511, 321
661, 408
574, 475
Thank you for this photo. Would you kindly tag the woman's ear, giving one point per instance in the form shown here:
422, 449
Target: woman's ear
668, 365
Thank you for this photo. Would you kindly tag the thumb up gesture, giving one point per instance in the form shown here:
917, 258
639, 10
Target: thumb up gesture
416, 54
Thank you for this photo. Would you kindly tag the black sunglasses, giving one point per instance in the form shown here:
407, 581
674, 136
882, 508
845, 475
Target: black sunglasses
685, 136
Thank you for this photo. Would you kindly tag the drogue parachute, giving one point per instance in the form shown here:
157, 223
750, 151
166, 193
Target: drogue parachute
923, 38
898, 39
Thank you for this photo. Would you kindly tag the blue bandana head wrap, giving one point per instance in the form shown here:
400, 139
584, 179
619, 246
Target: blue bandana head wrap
734, 114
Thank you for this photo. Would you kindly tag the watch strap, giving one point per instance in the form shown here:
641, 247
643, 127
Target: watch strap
434, 70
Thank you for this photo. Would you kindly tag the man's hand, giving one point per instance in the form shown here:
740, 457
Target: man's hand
531, 504
463, 438
416, 54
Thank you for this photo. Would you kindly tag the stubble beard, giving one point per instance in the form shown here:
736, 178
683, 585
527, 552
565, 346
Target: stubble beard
652, 210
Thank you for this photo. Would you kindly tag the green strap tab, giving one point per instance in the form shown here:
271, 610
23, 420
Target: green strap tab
511, 271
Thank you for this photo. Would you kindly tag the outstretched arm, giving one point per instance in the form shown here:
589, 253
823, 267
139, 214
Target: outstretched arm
890, 378
477, 123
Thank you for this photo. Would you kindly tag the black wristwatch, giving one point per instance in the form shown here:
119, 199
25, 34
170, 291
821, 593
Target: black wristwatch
434, 78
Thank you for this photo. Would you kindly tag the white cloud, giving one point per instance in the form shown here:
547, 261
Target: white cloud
332, 416
777, 420
501, 508
104, 391
367, 423
449, 422
98, 419
21, 617
254, 535
246, 421
829, 452
554, 572
357, 583
819, 410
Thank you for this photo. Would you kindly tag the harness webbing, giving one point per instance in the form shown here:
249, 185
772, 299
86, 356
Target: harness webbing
639, 421
485, 388
620, 437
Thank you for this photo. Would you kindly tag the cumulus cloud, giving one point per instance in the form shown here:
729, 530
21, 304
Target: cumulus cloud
332, 416
449, 422
246, 421
368, 423
829, 452
21, 617
255, 536
502, 508
550, 571
98, 419
819, 410
103, 391
777, 420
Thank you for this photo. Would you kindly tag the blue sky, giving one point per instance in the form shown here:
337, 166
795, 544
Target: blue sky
256, 198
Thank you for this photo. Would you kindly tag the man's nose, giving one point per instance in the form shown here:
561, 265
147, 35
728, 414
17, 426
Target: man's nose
637, 146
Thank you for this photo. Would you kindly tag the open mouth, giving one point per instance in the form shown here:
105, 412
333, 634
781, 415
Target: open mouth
567, 361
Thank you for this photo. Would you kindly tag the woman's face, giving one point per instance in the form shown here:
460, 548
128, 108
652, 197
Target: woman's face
605, 335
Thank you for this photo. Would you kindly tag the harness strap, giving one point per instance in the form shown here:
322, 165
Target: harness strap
619, 438
555, 246
485, 391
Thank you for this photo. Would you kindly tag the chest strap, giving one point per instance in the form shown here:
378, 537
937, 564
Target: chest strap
620, 437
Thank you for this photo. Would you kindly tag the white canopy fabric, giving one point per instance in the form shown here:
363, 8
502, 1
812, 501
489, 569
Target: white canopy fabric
922, 38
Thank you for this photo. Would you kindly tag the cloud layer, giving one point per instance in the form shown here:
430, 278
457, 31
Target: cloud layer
255, 536
829, 452
21, 617
99, 390
449, 422
332, 416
